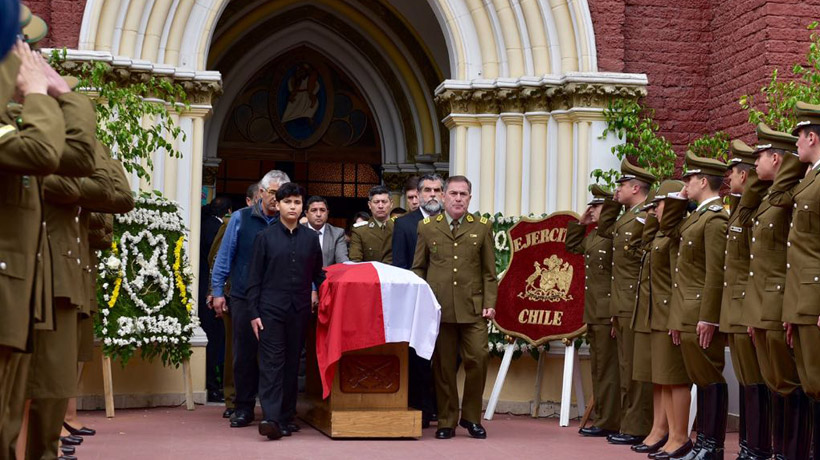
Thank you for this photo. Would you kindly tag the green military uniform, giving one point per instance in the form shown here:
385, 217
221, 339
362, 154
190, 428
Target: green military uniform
754, 395
372, 241
641, 353
763, 306
603, 349
53, 370
800, 306
667, 360
696, 298
460, 268
30, 146
228, 389
636, 397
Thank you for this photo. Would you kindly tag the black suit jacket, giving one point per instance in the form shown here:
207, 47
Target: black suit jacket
207, 234
405, 235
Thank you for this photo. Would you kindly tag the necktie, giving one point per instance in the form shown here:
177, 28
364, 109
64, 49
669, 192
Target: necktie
455, 227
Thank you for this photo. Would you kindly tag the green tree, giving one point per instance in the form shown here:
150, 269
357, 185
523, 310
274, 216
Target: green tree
711, 146
125, 109
775, 103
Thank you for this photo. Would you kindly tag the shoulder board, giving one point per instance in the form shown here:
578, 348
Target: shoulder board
483, 220
440, 217
371, 224
426, 220
359, 224
715, 208
641, 220
5, 130
393, 219
470, 218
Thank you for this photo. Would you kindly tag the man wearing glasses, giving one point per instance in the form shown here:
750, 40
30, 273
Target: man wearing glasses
232, 261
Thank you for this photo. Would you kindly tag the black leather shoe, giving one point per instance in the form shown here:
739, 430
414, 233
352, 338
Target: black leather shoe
475, 429
227, 414
680, 452
270, 429
71, 440
595, 432
79, 431
643, 448
240, 419
216, 396
292, 427
67, 450
284, 429
624, 439
445, 433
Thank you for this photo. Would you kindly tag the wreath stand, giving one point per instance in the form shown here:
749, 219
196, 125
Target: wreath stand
572, 377
108, 385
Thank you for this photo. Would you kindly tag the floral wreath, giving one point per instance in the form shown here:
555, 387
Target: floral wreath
144, 285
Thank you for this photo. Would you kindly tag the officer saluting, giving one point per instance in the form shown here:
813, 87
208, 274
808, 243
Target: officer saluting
456, 255
696, 297
603, 349
373, 240
801, 310
636, 397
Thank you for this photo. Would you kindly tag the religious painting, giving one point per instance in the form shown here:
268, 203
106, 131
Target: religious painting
302, 105
541, 294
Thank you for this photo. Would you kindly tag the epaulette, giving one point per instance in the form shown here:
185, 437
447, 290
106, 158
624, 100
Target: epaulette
470, 218
426, 220
6, 129
359, 224
439, 218
483, 220
393, 218
641, 220
715, 208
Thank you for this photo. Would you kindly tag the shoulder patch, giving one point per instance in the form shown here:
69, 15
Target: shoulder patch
440, 218
470, 218
6, 129
483, 220
716, 208
426, 220
359, 224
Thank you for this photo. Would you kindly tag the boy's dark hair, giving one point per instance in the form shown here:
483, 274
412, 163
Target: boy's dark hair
288, 189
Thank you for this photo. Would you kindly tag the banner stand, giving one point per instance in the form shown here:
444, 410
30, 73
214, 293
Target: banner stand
571, 378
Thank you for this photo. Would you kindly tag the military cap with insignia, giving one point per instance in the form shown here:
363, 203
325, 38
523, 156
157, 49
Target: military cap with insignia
700, 165
807, 114
33, 27
630, 171
666, 188
599, 194
767, 138
740, 152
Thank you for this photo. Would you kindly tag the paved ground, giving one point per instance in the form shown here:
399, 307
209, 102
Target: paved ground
174, 433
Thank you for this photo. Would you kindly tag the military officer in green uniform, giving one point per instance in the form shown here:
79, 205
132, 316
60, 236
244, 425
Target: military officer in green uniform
801, 309
603, 349
636, 397
373, 240
455, 253
696, 298
744, 197
668, 370
30, 147
789, 435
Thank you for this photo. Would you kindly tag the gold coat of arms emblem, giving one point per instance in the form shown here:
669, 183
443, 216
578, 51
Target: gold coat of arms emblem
550, 281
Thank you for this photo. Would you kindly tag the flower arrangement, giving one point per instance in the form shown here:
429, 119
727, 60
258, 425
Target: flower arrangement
145, 298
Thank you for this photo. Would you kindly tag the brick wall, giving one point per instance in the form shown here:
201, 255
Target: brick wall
702, 55
64, 18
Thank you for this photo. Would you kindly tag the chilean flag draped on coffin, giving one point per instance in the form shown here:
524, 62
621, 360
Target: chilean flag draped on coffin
368, 304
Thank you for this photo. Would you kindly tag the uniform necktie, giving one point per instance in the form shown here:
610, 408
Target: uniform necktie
455, 227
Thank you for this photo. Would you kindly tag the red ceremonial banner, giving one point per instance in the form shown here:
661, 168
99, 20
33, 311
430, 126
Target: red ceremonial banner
541, 294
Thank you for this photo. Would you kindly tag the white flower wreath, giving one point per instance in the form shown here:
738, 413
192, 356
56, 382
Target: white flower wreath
501, 240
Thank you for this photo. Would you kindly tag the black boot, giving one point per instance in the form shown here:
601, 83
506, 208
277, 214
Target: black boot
716, 411
816, 422
699, 422
778, 417
742, 434
758, 422
798, 427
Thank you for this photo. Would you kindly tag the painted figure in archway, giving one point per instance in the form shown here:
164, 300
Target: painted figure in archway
303, 86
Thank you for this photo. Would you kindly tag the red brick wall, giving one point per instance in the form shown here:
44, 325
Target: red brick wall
64, 18
702, 55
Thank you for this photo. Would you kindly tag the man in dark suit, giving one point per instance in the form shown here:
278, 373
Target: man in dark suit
212, 215
405, 235
331, 239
